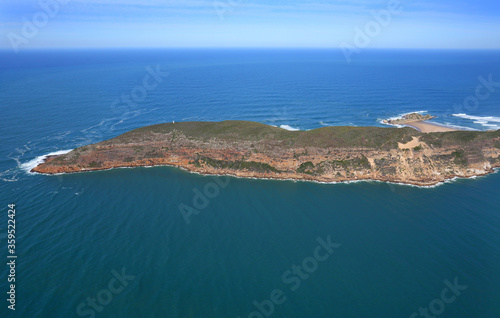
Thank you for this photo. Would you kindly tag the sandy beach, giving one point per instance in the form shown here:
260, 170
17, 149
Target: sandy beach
428, 127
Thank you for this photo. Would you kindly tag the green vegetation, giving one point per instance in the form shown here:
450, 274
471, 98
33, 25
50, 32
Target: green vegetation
235, 165
459, 157
388, 171
242, 140
297, 155
94, 164
231, 129
325, 137
154, 154
459, 138
356, 163
306, 167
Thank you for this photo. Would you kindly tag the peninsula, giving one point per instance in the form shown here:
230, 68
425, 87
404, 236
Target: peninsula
328, 154
417, 121
408, 118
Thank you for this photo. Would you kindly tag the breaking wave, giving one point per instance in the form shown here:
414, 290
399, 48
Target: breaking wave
485, 121
27, 166
287, 127
400, 116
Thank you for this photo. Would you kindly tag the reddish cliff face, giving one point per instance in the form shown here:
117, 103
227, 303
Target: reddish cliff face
386, 154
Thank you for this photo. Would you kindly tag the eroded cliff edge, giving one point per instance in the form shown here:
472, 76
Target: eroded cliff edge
249, 149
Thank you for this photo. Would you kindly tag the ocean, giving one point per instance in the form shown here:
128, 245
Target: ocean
162, 242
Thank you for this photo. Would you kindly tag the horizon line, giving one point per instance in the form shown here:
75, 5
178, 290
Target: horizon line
3, 49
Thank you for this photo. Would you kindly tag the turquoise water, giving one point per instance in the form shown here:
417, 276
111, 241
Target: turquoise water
394, 245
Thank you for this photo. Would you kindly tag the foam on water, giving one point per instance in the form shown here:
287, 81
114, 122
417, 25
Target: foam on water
485, 121
459, 127
28, 166
400, 116
288, 127
478, 120
63, 219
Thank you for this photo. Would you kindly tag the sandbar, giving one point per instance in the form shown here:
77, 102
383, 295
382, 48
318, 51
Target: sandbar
428, 127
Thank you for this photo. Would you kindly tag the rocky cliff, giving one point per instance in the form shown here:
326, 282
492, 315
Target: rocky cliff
327, 154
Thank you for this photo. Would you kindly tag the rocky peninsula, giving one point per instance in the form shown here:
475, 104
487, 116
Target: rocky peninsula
408, 118
417, 121
328, 154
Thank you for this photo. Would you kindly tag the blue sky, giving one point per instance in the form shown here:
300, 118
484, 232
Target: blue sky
248, 23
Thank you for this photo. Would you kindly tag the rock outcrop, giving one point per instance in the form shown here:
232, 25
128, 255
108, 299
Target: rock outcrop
328, 154
408, 118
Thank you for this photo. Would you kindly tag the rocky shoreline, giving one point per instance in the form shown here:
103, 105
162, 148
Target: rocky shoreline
319, 155
408, 118
270, 176
264, 176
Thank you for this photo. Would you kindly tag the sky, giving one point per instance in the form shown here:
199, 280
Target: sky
407, 24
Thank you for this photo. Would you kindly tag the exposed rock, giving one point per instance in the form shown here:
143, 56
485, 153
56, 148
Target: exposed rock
409, 118
326, 154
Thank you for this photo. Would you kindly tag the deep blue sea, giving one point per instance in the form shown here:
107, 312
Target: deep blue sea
116, 243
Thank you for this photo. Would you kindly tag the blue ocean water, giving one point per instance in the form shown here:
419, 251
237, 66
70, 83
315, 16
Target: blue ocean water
400, 246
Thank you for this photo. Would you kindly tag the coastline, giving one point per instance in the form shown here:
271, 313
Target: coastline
427, 127
419, 122
35, 162
326, 155
257, 176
